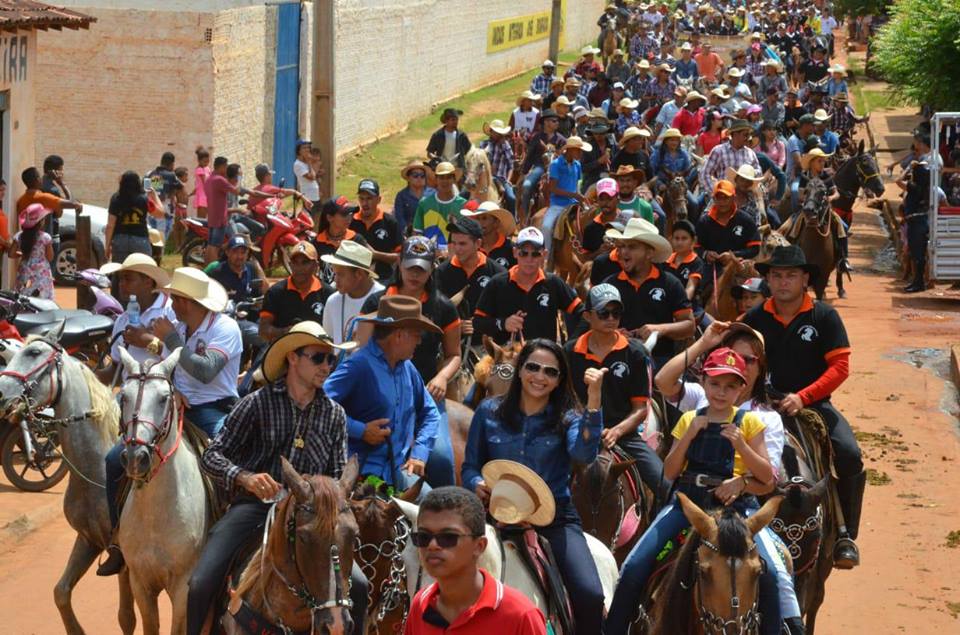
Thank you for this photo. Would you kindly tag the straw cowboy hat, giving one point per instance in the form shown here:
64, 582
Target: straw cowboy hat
813, 154
302, 334
193, 284
645, 232
626, 102
139, 263
496, 126
507, 222
734, 72
400, 311
695, 96
821, 116
352, 254
633, 132
745, 171
518, 494
642, 64
445, 167
575, 143
721, 92
528, 94
672, 133
562, 100
416, 165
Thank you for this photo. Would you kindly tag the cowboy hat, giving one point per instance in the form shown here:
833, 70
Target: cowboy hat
721, 92
645, 232
445, 167
575, 143
745, 171
507, 222
598, 113
352, 254
821, 116
156, 237
841, 97
32, 215
302, 334
400, 311
626, 102
664, 67
518, 494
633, 132
734, 72
788, 257
563, 100
694, 96
617, 52
416, 165
626, 169
193, 284
528, 94
642, 64
838, 68
671, 133
139, 263
686, 46
813, 154
589, 50
496, 126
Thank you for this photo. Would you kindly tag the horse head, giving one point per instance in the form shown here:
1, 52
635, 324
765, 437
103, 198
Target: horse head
476, 165
868, 171
770, 239
815, 207
495, 371
596, 491
148, 413
32, 379
677, 197
728, 566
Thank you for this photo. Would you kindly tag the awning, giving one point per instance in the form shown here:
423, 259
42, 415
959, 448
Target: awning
25, 14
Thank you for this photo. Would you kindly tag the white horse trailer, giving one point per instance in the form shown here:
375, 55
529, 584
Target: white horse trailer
944, 245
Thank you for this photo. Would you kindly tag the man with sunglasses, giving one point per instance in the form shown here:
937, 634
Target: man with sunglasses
289, 418
450, 538
523, 302
626, 385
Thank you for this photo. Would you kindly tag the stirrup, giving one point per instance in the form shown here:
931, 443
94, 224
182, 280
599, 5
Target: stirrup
114, 563
851, 556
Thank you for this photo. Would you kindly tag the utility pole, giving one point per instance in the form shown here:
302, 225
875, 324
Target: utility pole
321, 114
555, 17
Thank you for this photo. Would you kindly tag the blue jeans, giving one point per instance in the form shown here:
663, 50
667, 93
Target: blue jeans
549, 221
165, 225
439, 470
509, 195
530, 183
115, 480
209, 417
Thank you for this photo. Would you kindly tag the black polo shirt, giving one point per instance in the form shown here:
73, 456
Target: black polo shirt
504, 296
327, 247
383, 235
453, 278
239, 287
604, 266
659, 299
798, 353
594, 232
684, 269
438, 309
739, 234
287, 306
627, 383
501, 252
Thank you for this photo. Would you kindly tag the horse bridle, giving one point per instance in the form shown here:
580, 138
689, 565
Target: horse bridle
171, 413
864, 176
393, 594
795, 533
744, 624
31, 379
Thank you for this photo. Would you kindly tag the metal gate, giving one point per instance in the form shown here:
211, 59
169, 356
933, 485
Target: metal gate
287, 97
944, 244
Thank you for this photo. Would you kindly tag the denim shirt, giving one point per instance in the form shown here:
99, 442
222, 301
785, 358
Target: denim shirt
368, 389
537, 444
405, 206
676, 162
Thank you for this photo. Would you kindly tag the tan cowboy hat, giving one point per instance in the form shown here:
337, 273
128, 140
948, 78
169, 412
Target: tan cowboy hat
664, 67
643, 64
598, 113
301, 334
693, 96
193, 284
400, 311
617, 52
589, 50
496, 126
734, 72
352, 254
563, 100
821, 115
745, 171
572, 81
139, 263
507, 223
721, 92
528, 94
813, 154
557, 80
633, 132
518, 494
445, 167
416, 165
672, 133
575, 142
772, 62
626, 102
645, 232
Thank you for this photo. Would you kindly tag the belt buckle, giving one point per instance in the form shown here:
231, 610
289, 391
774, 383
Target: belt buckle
700, 480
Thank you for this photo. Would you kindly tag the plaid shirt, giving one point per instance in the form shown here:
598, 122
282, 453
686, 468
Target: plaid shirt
637, 85
541, 84
501, 157
266, 425
722, 157
642, 47
586, 86
660, 93
843, 118
624, 122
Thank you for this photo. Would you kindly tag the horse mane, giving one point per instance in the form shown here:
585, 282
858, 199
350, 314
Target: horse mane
483, 368
674, 611
732, 534
105, 411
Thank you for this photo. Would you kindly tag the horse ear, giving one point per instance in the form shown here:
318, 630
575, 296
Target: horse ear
297, 485
860, 147
351, 472
763, 517
701, 520
457, 298
130, 365
55, 332
412, 493
492, 348
764, 229
167, 365
818, 491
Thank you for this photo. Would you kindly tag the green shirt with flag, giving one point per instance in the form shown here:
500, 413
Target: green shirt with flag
433, 215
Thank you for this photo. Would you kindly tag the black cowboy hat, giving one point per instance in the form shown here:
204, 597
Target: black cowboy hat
788, 256
598, 128
450, 112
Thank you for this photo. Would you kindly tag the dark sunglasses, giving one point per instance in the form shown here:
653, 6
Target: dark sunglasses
531, 254
320, 358
606, 314
445, 539
549, 371
417, 175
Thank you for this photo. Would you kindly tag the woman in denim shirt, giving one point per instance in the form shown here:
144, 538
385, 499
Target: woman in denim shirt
540, 423
669, 160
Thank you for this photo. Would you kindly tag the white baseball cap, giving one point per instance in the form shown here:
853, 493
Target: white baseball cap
530, 235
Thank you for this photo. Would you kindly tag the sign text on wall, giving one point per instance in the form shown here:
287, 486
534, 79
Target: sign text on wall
511, 32
13, 56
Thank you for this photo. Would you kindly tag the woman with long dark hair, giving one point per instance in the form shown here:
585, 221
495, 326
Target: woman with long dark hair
541, 424
127, 231
335, 218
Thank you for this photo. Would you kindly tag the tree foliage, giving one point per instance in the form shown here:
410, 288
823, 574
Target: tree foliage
853, 8
918, 50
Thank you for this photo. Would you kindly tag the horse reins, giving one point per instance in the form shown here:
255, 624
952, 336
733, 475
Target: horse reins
393, 593
171, 413
749, 622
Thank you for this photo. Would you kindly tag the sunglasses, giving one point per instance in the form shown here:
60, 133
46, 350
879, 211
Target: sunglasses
444, 539
531, 254
549, 371
606, 314
417, 175
320, 358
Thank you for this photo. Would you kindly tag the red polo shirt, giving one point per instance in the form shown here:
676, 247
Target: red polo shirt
499, 609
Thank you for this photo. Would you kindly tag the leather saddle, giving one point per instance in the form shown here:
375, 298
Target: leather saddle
631, 521
537, 557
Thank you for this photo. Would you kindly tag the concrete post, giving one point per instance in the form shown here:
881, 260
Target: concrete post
555, 17
322, 116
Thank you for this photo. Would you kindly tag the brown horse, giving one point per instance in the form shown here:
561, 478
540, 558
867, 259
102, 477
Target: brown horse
610, 39
818, 237
494, 372
674, 202
566, 257
713, 585
724, 308
298, 580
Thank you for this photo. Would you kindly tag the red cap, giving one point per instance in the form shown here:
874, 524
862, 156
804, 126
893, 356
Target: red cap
725, 361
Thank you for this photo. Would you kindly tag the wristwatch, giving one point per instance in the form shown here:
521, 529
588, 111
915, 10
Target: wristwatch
155, 346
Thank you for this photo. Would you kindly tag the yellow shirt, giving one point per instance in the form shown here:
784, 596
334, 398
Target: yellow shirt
750, 427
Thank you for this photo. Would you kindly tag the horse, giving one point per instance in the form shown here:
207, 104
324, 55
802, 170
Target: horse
713, 585
566, 258
164, 522
859, 171
86, 416
478, 176
674, 202
494, 372
818, 237
609, 38
722, 305
298, 579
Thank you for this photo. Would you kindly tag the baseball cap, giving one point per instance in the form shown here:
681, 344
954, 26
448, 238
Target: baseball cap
725, 187
725, 361
608, 186
619, 85
601, 295
466, 226
262, 170
304, 248
237, 240
304, 142
530, 235
418, 251
807, 118
370, 186
339, 205
548, 63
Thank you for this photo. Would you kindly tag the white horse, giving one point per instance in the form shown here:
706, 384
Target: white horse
478, 176
164, 522
507, 567
42, 375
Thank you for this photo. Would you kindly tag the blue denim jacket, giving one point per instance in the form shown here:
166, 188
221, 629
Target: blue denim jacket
537, 444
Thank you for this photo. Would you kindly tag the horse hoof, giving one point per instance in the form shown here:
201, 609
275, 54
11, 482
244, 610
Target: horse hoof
841, 293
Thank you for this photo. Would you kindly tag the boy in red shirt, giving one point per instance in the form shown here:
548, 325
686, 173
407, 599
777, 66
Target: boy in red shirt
465, 599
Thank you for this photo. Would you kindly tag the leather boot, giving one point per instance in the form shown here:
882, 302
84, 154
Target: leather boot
795, 626
114, 563
919, 283
850, 492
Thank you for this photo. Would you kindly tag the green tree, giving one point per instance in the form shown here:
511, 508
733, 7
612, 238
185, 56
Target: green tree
917, 52
853, 8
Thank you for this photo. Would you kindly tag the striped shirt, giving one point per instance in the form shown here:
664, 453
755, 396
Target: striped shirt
501, 157
722, 157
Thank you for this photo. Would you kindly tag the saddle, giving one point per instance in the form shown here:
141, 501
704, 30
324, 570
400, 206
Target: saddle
537, 557
630, 523
793, 227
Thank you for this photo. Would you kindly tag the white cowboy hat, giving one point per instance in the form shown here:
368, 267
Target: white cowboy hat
352, 254
139, 263
497, 126
838, 68
734, 72
518, 494
589, 50
694, 95
721, 92
575, 142
300, 334
643, 64
821, 115
646, 232
813, 154
507, 223
632, 132
155, 236
528, 94
745, 171
563, 100
626, 102
193, 284
686, 46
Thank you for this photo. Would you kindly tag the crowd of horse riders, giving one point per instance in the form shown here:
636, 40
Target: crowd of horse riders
594, 330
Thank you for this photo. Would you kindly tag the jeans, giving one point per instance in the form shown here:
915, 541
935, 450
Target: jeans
242, 524
250, 332
116, 477
121, 246
549, 222
209, 417
165, 224
773, 218
509, 195
439, 469
846, 450
530, 183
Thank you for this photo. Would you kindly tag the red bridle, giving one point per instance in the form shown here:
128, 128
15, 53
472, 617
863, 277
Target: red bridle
170, 414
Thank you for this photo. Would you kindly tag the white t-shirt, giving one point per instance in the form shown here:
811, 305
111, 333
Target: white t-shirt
340, 310
827, 25
524, 121
161, 307
220, 333
310, 189
695, 398
449, 145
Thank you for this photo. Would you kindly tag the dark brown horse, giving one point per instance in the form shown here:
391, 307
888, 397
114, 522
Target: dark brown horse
299, 578
674, 203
